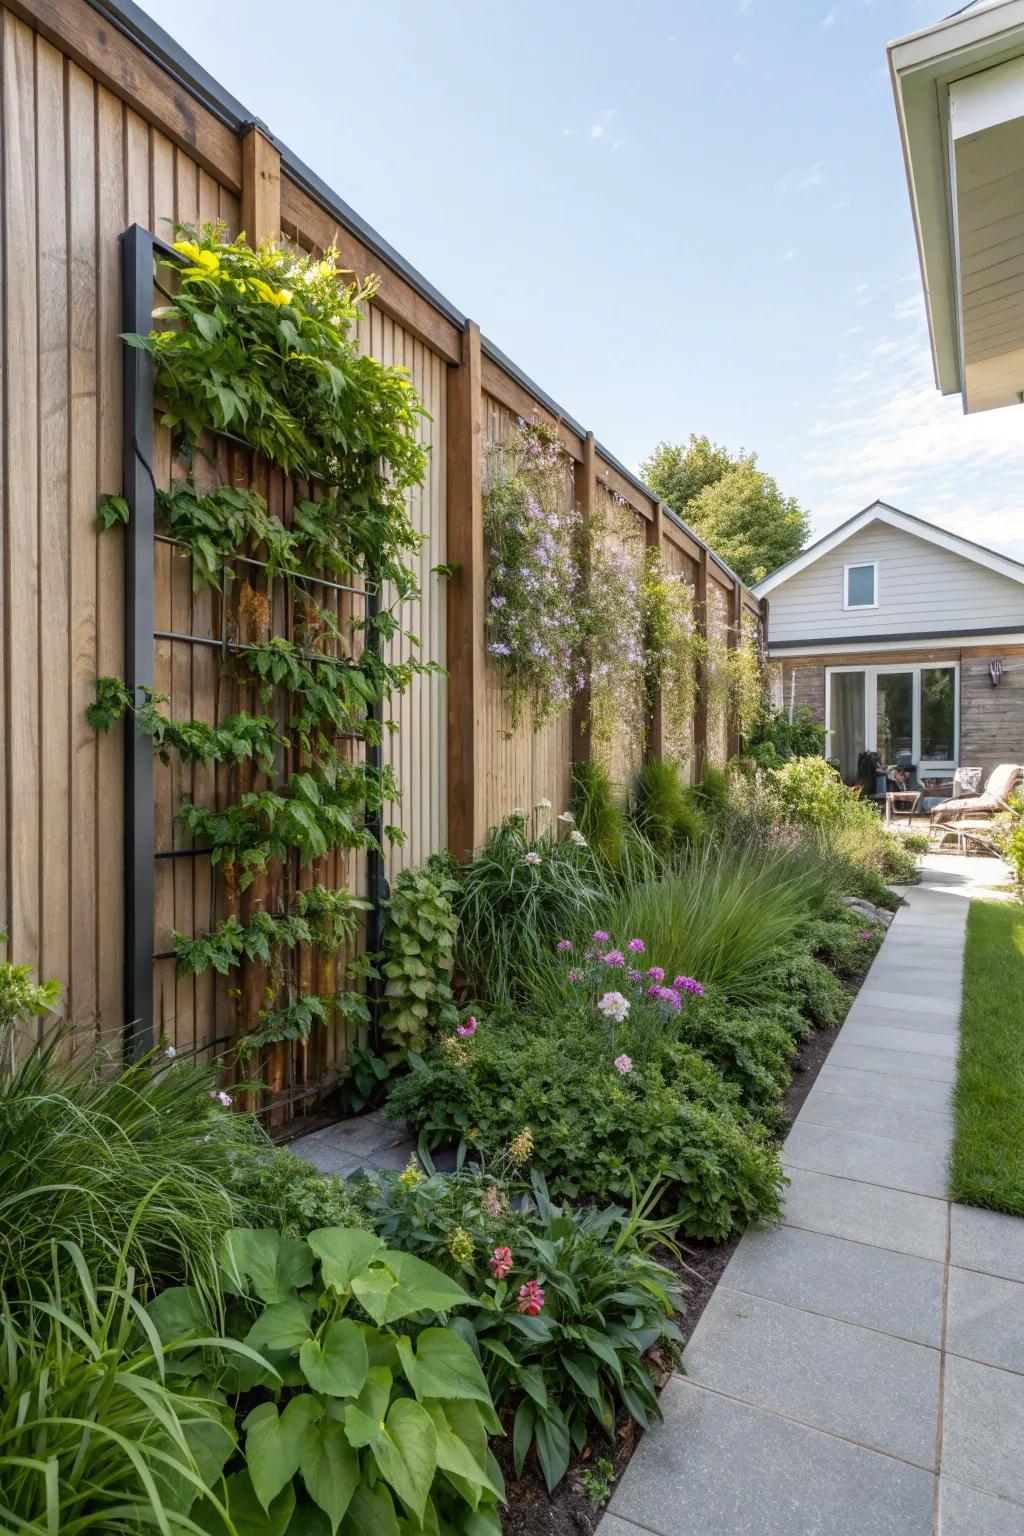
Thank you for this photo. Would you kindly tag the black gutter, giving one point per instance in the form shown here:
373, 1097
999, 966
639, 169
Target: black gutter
162, 48
895, 639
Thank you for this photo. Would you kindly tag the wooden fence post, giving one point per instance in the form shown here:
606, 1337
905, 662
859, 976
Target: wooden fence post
654, 725
735, 641
261, 186
700, 624
585, 486
465, 631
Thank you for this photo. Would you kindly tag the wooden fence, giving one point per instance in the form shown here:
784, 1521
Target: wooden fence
106, 125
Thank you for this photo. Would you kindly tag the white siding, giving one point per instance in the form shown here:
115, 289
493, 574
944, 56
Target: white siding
921, 590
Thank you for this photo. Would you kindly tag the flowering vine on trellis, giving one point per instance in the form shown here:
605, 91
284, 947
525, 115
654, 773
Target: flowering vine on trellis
615, 620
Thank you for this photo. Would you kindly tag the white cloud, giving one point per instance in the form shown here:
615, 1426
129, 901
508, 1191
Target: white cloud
892, 435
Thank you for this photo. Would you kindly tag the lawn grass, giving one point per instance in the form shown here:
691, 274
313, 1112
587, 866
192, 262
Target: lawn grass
987, 1162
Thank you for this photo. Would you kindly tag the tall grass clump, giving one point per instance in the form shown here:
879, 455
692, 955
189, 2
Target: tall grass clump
663, 810
599, 815
139, 1159
722, 916
516, 899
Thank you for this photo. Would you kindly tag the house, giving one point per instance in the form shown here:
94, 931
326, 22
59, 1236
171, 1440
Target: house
905, 639
959, 89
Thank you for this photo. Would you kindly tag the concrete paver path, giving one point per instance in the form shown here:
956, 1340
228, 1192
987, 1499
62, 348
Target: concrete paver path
859, 1371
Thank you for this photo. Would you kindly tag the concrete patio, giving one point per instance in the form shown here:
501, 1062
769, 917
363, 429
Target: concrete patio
860, 1370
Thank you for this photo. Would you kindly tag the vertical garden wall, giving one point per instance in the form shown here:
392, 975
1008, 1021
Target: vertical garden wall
99, 135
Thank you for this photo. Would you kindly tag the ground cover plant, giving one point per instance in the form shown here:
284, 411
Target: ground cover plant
987, 1162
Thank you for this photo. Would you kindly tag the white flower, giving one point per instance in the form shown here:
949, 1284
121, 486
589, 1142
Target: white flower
575, 836
543, 805
531, 858
518, 812
221, 1097
566, 816
614, 1006
170, 1051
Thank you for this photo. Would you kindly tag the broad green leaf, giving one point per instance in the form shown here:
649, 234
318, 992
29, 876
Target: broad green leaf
376, 1394
442, 1365
462, 1450
344, 1252
272, 1443
177, 1313
337, 1364
418, 1287
371, 1513
531, 1379
248, 1517
275, 1265
309, 1521
553, 1446
522, 1432
330, 1468
281, 1325
374, 1290
406, 1453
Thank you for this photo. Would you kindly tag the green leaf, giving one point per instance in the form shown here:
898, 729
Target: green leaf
462, 1448
522, 1432
281, 1325
409, 1285
344, 1252
553, 1446
406, 1453
330, 1469
248, 1517
177, 1313
371, 1513
531, 1379
272, 1443
442, 1365
338, 1364
274, 1264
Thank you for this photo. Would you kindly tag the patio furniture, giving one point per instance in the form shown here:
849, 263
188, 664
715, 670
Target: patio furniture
999, 786
902, 802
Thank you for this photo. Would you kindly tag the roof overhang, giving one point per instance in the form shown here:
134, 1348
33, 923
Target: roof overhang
959, 89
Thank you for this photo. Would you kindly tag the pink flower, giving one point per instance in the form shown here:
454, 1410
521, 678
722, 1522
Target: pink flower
615, 957
531, 1299
574, 975
636, 946
866, 933
467, 1029
221, 1097
687, 984
531, 858
564, 945
501, 1262
600, 937
656, 974
635, 975
623, 1064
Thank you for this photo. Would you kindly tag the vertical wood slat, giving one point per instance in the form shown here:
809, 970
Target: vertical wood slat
586, 489
465, 597
735, 640
654, 724
700, 624
21, 470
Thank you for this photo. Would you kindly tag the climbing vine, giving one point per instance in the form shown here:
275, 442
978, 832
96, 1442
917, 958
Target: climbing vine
534, 621
615, 620
259, 347
673, 650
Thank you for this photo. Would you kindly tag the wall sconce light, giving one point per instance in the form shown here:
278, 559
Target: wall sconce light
995, 672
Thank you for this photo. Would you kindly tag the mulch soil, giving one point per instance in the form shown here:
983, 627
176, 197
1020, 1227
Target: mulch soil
530, 1510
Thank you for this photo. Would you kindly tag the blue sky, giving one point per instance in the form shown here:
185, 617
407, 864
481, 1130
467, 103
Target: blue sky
683, 215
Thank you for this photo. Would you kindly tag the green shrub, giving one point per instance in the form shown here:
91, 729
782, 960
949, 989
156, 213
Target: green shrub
94, 1437
796, 977
573, 1368
751, 1048
712, 792
140, 1159
776, 737
287, 1192
721, 916
419, 952
837, 940
516, 899
369, 1421
599, 815
662, 810
593, 1131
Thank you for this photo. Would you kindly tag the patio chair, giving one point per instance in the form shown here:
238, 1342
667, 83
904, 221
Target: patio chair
999, 785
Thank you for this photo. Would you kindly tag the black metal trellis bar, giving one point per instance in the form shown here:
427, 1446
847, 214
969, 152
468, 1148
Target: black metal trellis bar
140, 494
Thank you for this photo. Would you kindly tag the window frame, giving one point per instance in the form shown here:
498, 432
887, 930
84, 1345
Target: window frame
932, 767
859, 565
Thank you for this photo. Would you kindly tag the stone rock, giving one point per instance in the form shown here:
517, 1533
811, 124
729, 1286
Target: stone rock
868, 910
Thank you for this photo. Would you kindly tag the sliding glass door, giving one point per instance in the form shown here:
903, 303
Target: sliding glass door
908, 715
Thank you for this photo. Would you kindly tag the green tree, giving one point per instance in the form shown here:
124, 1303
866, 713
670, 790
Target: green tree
733, 505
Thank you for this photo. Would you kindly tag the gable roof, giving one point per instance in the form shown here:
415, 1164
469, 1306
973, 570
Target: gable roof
882, 512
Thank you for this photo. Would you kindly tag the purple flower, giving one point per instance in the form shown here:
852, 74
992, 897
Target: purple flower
687, 984
468, 1029
615, 957
656, 973
866, 933
564, 945
636, 946
623, 1064
600, 937
574, 975
635, 975
499, 648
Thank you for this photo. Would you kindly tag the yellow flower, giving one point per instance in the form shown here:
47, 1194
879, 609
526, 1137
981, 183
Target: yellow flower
282, 296
412, 1175
521, 1148
460, 1245
188, 248
207, 259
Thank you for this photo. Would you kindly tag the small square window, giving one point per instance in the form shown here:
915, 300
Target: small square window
860, 586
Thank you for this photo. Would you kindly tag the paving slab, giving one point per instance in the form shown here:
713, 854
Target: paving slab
987, 1240
983, 1427
964, 1511
853, 1282
880, 1391
873, 1058
720, 1468
929, 1127
887, 1032
904, 1000
931, 981
882, 1160
985, 1318
881, 1088
866, 1213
